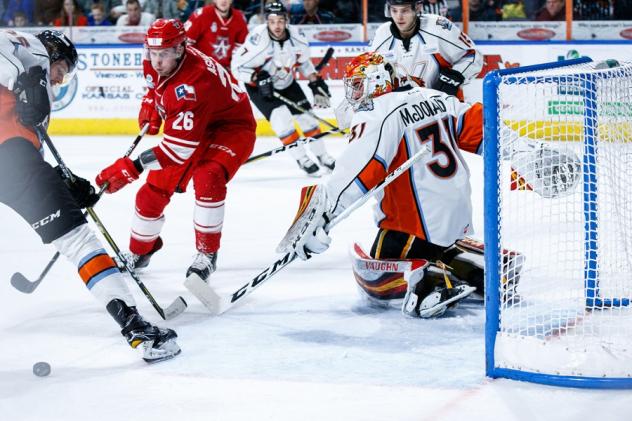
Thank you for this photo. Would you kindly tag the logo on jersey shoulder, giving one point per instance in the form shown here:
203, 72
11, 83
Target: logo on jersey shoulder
254, 39
220, 48
366, 106
444, 23
214, 27
150, 81
186, 92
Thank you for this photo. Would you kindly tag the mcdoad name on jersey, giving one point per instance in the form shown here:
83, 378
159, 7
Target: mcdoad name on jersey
417, 112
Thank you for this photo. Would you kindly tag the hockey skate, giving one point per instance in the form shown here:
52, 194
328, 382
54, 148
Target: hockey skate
158, 344
327, 161
426, 299
203, 265
309, 166
138, 261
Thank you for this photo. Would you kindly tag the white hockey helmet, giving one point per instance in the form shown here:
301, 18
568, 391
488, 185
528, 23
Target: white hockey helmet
367, 76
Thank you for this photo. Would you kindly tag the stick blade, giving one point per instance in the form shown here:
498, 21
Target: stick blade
22, 284
175, 309
207, 296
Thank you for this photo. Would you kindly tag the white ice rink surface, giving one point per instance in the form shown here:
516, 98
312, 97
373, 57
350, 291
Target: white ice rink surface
301, 347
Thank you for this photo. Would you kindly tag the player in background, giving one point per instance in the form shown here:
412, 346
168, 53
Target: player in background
266, 62
51, 204
217, 30
209, 132
424, 211
426, 49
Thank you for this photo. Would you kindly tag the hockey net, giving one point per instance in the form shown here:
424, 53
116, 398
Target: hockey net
559, 192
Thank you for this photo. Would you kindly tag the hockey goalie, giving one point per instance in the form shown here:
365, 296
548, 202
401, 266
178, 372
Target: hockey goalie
421, 254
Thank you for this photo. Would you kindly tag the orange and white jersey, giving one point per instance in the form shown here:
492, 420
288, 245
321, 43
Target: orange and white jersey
432, 199
19, 51
438, 43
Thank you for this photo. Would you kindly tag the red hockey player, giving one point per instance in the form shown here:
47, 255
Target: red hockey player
209, 131
217, 30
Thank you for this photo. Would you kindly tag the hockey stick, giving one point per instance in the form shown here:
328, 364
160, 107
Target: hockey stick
325, 60
19, 281
217, 304
294, 105
284, 148
175, 308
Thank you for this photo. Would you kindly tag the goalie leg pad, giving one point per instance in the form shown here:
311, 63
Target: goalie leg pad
307, 233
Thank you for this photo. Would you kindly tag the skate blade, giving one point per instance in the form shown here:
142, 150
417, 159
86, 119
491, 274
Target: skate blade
440, 308
200, 289
167, 351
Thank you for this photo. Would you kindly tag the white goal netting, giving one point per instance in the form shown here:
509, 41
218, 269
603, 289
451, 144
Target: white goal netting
564, 206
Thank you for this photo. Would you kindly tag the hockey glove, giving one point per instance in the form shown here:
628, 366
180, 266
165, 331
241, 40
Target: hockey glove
149, 114
118, 175
307, 234
321, 93
81, 190
33, 104
264, 85
449, 81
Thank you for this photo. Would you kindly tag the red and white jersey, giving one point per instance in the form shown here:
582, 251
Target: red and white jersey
279, 58
215, 36
437, 44
199, 98
432, 199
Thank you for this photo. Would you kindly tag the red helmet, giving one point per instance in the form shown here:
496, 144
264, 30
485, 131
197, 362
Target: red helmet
165, 33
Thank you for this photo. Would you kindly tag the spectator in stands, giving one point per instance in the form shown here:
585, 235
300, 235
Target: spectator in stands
531, 7
20, 20
13, 6
514, 10
435, 7
46, 11
312, 15
134, 15
347, 11
622, 10
592, 10
481, 10
98, 17
71, 15
552, 10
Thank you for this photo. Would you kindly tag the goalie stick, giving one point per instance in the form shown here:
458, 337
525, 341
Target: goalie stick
218, 304
174, 309
21, 282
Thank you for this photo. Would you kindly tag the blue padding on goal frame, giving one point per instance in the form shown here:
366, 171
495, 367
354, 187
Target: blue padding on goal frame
564, 381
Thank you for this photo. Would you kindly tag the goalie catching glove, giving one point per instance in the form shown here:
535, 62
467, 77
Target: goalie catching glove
321, 93
308, 233
549, 172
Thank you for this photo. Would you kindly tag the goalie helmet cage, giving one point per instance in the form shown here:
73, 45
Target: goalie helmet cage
568, 322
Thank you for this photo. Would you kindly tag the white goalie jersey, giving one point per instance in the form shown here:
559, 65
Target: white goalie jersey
438, 44
279, 58
432, 199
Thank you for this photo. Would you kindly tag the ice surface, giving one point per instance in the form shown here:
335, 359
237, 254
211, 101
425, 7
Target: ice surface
301, 347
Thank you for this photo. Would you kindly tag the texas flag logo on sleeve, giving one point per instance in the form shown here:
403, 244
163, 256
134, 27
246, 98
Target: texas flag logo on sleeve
186, 92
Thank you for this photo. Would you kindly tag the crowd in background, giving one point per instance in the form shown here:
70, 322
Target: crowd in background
141, 12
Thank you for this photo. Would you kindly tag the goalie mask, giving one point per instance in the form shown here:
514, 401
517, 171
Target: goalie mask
366, 77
